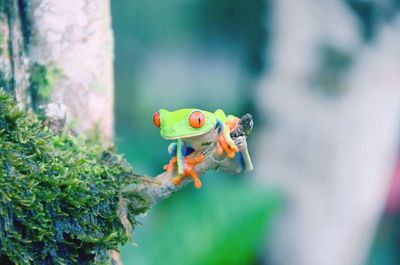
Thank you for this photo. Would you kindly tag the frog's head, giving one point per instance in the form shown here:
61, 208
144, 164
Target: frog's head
183, 123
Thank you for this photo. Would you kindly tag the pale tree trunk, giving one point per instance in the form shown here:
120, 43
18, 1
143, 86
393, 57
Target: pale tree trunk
60, 51
332, 137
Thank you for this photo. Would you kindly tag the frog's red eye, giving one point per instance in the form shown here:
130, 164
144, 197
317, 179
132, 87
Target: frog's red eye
197, 119
156, 119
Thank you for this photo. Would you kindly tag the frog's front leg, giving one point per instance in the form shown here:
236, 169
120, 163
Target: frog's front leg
172, 151
185, 164
189, 164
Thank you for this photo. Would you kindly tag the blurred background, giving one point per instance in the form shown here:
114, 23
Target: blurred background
322, 81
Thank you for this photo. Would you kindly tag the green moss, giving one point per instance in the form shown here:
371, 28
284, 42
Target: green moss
59, 194
42, 80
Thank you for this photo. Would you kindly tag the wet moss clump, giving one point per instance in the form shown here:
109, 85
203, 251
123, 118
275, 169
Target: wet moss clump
59, 195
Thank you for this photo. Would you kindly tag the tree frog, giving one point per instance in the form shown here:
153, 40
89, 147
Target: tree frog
195, 129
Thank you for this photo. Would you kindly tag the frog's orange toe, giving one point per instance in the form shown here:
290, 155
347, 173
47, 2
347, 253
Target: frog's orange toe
189, 164
197, 183
219, 150
222, 144
177, 180
170, 166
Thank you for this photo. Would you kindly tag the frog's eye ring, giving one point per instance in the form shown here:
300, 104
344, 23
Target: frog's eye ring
157, 119
197, 119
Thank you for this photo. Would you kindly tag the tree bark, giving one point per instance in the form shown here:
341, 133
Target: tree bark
66, 47
332, 139
13, 59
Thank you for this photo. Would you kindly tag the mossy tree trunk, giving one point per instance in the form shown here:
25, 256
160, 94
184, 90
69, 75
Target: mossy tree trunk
60, 51
55, 51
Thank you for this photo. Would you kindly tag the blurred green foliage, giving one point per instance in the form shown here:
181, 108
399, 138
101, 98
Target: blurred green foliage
372, 14
59, 194
385, 248
223, 223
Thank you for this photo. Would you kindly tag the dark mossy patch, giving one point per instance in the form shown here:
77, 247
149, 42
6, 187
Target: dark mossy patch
59, 195
5, 83
24, 7
42, 79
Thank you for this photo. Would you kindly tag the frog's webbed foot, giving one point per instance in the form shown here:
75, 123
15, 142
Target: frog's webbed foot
224, 146
224, 142
189, 164
170, 166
